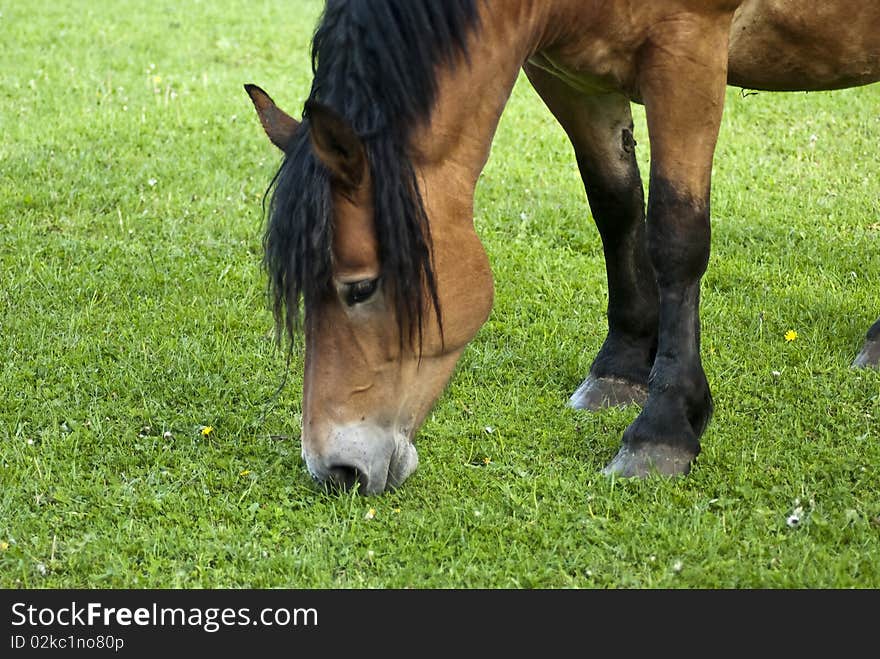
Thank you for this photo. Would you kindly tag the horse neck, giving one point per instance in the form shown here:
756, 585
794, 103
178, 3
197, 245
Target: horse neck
453, 146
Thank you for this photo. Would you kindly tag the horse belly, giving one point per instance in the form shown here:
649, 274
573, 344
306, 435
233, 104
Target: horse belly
791, 45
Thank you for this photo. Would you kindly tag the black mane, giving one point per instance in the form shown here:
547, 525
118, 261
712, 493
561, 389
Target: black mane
374, 62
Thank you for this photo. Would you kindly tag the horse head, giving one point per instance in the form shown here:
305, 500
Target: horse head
381, 340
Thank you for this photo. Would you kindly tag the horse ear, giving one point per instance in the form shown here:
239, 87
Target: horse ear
336, 144
279, 126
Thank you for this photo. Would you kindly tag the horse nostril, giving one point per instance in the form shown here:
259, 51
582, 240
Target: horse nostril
346, 477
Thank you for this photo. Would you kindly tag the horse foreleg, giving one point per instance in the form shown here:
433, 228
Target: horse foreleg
682, 82
869, 357
600, 129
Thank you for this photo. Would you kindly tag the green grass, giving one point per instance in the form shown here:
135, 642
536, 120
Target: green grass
132, 305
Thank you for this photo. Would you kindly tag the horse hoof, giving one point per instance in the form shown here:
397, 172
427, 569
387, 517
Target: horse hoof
595, 394
869, 357
650, 459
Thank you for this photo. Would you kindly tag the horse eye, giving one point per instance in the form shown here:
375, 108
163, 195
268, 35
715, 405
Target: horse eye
360, 291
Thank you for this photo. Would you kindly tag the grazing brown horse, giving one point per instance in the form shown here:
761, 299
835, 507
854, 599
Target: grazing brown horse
370, 233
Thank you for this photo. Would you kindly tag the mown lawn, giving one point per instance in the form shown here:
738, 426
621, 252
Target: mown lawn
143, 440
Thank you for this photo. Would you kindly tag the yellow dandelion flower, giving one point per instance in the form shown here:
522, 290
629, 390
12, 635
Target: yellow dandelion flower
244, 472
157, 80
486, 460
791, 335
371, 513
207, 430
397, 510
4, 545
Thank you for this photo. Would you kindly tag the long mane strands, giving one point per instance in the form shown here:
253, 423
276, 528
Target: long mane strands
374, 62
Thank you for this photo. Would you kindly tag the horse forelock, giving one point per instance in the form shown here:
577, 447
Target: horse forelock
297, 242
375, 63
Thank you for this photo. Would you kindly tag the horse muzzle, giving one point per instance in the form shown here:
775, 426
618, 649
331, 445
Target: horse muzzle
363, 456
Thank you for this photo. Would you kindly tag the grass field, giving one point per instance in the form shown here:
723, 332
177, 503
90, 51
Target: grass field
142, 443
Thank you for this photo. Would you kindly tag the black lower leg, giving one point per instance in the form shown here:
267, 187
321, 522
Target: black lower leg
619, 212
665, 436
619, 372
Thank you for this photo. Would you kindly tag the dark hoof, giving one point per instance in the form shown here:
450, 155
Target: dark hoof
869, 357
650, 459
595, 394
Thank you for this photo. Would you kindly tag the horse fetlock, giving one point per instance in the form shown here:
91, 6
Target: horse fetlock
624, 358
685, 389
